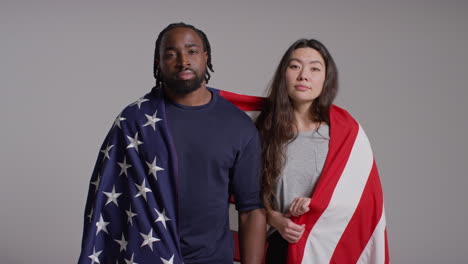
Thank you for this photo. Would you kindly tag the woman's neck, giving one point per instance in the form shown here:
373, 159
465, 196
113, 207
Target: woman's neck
304, 118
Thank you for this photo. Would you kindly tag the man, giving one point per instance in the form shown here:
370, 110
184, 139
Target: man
160, 189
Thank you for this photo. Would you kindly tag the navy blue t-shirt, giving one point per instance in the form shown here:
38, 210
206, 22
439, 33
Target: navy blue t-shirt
218, 153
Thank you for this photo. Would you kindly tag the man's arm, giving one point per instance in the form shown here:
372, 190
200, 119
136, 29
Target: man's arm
252, 235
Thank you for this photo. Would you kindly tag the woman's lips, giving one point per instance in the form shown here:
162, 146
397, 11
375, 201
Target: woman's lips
301, 87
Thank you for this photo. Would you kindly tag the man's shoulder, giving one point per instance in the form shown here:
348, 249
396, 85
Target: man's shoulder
234, 113
140, 111
145, 104
240, 126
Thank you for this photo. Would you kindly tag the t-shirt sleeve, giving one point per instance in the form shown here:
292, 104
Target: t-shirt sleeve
246, 176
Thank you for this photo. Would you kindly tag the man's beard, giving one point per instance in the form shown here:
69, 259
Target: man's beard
183, 87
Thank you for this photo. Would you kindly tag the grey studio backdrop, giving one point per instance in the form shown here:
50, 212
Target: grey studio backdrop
68, 68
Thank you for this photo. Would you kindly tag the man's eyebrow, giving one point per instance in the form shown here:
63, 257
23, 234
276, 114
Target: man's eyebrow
191, 45
169, 48
310, 62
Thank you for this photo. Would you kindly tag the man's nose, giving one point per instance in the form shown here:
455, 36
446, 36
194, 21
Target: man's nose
183, 60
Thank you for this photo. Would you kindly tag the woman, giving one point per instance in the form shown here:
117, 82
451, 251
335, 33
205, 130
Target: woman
321, 188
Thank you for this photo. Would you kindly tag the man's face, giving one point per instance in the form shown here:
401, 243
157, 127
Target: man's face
182, 60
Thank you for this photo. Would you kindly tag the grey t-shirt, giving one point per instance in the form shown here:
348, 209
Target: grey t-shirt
304, 163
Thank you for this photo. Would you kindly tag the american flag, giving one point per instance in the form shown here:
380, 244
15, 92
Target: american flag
346, 222
130, 214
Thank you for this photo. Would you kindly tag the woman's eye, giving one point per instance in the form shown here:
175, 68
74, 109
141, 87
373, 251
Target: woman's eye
293, 66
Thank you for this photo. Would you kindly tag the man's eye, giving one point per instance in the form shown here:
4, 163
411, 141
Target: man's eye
193, 51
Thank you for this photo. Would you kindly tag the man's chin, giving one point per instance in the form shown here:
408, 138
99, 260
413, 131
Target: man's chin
183, 87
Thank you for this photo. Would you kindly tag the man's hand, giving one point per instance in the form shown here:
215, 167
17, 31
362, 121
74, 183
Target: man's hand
290, 231
299, 206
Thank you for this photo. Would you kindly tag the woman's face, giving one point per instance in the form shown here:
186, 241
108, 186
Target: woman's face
305, 75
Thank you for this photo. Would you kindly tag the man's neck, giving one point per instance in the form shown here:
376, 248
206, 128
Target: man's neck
201, 96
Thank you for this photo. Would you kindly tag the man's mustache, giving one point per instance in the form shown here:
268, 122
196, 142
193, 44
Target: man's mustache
186, 69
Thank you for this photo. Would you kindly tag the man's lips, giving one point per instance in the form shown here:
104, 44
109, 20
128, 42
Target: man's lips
184, 75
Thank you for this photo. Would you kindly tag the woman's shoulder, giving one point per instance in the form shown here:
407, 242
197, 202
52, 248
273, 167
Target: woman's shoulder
341, 116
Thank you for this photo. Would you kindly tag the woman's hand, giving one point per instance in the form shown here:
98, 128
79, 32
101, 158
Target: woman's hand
299, 206
290, 231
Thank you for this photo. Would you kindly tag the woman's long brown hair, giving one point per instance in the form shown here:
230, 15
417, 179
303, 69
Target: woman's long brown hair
276, 123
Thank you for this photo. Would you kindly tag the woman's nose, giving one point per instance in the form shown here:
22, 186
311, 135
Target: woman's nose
302, 76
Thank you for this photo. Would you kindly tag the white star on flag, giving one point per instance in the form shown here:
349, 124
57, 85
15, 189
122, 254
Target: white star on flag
142, 190
123, 243
149, 239
130, 215
152, 168
124, 166
118, 119
134, 142
96, 182
90, 216
101, 225
130, 261
170, 261
139, 102
152, 120
162, 217
106, 151
112, 196
95, 256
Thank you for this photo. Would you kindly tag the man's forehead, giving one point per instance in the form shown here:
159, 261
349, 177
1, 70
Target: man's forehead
181, 35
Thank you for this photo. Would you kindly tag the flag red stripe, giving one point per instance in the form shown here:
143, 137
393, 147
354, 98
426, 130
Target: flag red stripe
387, 253
343, 132
235, 235
243, 102
363, 222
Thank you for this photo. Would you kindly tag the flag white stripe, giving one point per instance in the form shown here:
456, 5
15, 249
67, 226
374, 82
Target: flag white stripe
374, 252
252, 114
233, 218
324, 237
